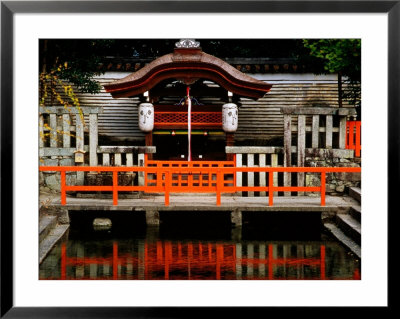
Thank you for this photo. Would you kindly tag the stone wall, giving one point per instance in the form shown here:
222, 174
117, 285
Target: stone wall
50, 180
336, 183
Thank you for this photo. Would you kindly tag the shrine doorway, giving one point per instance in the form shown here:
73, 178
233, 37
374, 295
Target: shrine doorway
174, 146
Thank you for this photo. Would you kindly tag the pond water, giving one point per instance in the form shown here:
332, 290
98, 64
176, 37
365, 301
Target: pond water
202, 249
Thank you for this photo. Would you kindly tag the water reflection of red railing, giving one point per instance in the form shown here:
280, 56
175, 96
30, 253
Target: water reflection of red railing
180, 261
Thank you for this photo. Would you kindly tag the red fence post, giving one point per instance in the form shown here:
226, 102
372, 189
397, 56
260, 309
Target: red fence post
323, 186
63, 192
167, 182
219, 179
358, 139
270, 188
115, 190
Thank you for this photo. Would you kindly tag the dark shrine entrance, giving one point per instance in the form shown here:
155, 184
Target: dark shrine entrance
175, 147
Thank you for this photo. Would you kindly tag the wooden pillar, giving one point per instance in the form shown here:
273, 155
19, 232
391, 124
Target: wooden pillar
287, 156
53, 131
328, 132
250, 175
239, 175
236, 218
342, 132
80, 143
230, 141
66, 131
41, 131
93, 139
149, 142
274, 163
262, 163
315, 131
301, 146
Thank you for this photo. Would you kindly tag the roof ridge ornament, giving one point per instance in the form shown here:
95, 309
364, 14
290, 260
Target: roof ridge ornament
187, 44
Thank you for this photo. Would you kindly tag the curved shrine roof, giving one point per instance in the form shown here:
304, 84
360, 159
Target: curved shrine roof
188, 65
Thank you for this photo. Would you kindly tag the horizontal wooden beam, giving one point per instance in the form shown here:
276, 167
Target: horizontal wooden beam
309, 152
253, 149
59, 151
318, 111
126, 149
72, 110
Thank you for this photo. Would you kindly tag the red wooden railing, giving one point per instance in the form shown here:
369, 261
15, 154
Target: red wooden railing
353, 137
194, 179
168, 119
219, 261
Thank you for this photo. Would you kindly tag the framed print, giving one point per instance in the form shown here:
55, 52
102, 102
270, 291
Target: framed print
164, 134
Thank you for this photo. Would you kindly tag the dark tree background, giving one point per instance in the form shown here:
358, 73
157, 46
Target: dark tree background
76, 60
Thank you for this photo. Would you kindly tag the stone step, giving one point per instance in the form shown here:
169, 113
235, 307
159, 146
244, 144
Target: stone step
355, 192
355, 212
50, 240
344, 239
350, 226
46, 224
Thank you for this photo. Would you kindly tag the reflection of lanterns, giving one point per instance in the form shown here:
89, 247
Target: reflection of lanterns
146, 117
229, 117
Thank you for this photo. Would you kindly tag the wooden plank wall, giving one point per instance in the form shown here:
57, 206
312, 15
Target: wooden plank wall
260, 119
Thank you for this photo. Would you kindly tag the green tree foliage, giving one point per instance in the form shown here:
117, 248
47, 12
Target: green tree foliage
342, 56
73, 61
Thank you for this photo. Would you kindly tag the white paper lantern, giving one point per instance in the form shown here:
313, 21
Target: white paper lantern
229, 117
146, 117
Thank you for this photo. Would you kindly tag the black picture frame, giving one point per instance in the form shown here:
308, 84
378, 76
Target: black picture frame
9, 8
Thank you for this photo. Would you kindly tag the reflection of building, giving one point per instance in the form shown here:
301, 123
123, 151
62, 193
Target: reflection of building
202, 260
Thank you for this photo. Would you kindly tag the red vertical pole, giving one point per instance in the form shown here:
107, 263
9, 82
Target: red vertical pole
115, 260
115, 190
167, 183
323, 185
63, 261
219, 177
63, 192
358, 138
270, 188
234, 173
189, 124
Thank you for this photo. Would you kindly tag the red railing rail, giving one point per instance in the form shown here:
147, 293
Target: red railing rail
353, 137
191, 179
180, 118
